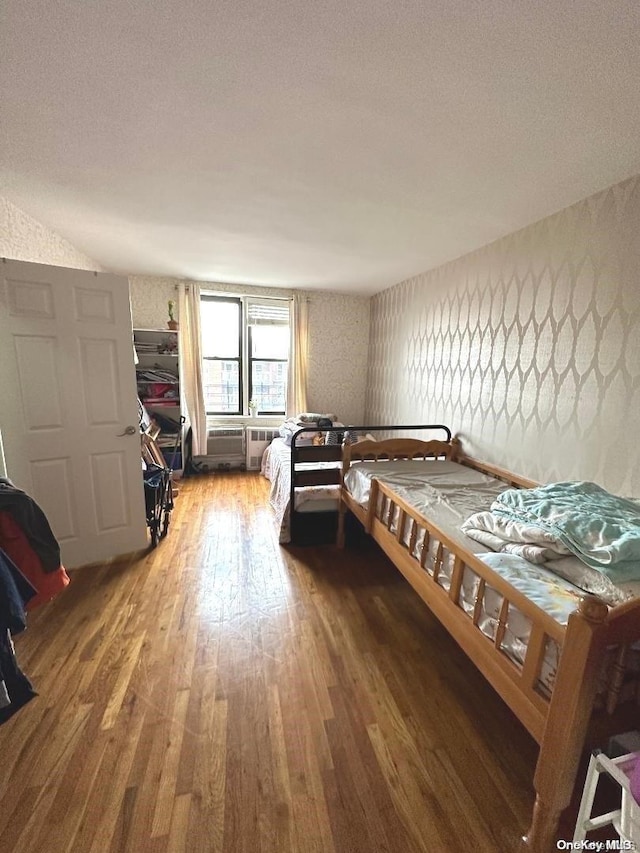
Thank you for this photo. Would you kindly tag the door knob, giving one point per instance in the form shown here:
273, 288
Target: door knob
130, 430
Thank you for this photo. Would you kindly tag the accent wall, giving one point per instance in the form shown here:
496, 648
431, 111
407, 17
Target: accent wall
529, 348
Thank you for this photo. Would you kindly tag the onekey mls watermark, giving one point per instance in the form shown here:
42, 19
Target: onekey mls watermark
613, 844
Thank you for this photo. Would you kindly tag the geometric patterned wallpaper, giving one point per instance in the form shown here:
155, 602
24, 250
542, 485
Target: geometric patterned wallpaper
528, 348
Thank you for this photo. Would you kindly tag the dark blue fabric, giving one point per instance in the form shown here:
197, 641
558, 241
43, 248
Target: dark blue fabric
18, 686
15, 592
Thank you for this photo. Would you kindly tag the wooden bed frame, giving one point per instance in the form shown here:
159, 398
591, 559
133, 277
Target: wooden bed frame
559, 723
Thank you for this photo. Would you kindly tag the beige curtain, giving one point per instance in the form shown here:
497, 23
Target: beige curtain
298, 354
191, 365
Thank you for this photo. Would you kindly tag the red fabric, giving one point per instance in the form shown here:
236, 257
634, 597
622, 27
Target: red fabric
16, 546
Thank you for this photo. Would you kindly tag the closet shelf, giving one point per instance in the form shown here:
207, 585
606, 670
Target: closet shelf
158, 387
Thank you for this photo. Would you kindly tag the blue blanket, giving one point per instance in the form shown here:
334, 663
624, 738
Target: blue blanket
601, 529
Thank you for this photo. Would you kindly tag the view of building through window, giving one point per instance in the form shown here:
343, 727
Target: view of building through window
268, 355
221, 380
245, 354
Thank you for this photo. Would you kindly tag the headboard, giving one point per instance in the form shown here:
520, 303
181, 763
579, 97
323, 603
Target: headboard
397, 448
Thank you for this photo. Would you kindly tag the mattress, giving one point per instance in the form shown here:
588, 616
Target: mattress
447, 493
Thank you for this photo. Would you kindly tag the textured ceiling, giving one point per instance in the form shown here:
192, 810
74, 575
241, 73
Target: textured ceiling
324, 145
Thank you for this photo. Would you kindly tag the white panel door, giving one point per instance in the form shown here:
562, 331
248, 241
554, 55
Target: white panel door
68, 406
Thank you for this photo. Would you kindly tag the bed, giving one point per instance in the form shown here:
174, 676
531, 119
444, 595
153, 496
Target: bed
305, 487
305, 480
563, 659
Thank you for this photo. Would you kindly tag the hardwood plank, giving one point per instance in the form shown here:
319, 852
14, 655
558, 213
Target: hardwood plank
360, 806
178, 841
103, 810
19, 818
417, 810
68, 808
125, 668
285, 839
207, 815
168, 778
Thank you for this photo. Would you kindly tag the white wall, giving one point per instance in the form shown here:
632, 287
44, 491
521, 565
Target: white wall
24, 239
338, 324
338, 338
338, 353
529, 347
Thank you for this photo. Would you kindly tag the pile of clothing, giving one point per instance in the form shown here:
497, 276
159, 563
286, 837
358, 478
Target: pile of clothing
316, 426
554, 524
30, 574
306, 421
550, 522
28, 541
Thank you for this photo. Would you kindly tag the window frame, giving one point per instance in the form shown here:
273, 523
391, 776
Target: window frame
245, 359
210, 297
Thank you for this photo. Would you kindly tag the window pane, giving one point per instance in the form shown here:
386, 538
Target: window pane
220, 329
269, 385
270, 341
221, 381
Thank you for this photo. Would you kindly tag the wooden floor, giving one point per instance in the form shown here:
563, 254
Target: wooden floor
227, 694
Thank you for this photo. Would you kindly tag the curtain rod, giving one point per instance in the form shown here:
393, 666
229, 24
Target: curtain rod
258, 296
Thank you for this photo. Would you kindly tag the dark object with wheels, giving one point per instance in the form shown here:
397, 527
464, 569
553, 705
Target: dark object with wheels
157, 476
158, 498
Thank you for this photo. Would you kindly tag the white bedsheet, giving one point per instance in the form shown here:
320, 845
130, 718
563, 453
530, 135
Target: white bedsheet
444, 491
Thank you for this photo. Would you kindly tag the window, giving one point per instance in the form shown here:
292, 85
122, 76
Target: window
245, 344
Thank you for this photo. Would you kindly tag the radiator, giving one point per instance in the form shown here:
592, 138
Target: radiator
225, 448
257, 442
